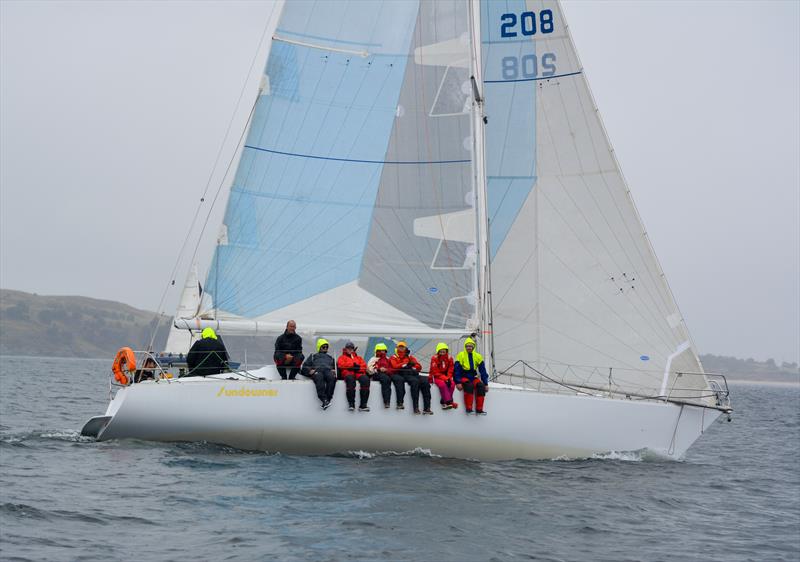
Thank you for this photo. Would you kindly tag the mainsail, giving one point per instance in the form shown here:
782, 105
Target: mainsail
357, 204
351, 209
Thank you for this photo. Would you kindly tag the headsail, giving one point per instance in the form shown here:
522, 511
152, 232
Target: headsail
352, 203
576, 286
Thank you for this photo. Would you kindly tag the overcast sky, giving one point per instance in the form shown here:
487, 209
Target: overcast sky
112, 114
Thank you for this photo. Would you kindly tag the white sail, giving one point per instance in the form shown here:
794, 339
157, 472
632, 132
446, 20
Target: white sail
577, 290
180, 340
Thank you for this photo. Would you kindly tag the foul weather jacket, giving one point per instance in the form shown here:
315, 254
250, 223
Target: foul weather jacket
469, 365
319, 362
207, 356
375, 364
351, 365
399, 361
287, 343
441, 368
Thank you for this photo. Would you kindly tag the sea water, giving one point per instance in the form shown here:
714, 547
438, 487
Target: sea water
736, 495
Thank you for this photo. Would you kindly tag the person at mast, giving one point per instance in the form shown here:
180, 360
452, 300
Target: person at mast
321, 368
406, 366
288, 354
353, 369
441, 374
207, 356
471, 377
380, 368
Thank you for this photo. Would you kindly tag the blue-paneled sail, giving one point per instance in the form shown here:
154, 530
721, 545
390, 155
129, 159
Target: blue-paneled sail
301, 202
358, 154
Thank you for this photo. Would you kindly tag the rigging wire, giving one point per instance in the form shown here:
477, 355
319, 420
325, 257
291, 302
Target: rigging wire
171, 282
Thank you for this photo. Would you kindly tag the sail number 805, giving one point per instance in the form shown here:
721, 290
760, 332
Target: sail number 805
527, 23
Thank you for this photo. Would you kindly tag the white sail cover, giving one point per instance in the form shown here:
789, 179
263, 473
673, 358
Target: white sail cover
577, 289
352, 206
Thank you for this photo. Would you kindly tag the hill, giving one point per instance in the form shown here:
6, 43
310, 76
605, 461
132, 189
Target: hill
750, 369
67, 326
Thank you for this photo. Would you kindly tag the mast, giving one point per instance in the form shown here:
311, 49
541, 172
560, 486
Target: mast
479, 121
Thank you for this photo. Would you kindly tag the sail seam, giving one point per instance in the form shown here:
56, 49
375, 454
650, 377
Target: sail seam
533, 79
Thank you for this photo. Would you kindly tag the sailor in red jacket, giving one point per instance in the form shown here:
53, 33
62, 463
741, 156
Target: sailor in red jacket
380, 368
352, 368
441, 373
406, 365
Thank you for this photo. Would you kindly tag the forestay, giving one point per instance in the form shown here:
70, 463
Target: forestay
352, 206
577, 290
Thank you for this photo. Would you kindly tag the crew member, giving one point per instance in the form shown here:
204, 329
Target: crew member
353, 369
321, 368
288, 354
406, 366
441, 374
207, 356
380, 368
470, 376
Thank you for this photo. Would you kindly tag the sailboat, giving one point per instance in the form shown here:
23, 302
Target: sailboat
429, 170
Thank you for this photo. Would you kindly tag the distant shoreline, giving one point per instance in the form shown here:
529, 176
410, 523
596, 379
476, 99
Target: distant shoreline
746, 382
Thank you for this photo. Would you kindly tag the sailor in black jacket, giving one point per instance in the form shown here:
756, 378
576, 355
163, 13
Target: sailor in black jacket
322, 369
288, 354
207, 356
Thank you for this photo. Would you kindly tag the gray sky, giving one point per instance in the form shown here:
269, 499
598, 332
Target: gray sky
112, 114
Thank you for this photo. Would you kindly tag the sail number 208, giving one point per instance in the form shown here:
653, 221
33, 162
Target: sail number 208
527, 23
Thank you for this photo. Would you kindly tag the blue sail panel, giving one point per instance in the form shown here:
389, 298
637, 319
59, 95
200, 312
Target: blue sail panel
302, 199
510, 66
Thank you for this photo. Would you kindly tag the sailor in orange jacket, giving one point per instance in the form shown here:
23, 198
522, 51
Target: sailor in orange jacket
406, 365
352, 368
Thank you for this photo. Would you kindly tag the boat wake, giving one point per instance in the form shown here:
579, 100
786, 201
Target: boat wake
640, 455
417, 452
45, 435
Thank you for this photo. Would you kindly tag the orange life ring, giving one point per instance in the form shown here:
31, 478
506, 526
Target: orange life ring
125, 360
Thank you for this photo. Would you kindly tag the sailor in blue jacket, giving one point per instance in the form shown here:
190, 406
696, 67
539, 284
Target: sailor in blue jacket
471, 377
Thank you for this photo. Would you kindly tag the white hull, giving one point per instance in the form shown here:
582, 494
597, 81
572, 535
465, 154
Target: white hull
285, 416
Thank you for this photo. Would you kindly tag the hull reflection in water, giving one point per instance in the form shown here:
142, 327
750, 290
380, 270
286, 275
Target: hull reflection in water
285, 416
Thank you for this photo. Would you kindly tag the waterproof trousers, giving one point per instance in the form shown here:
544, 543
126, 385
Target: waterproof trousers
446, 389
476, 388
289, 369
386, 386
416, 385
350, 384
399, 387
325, 381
